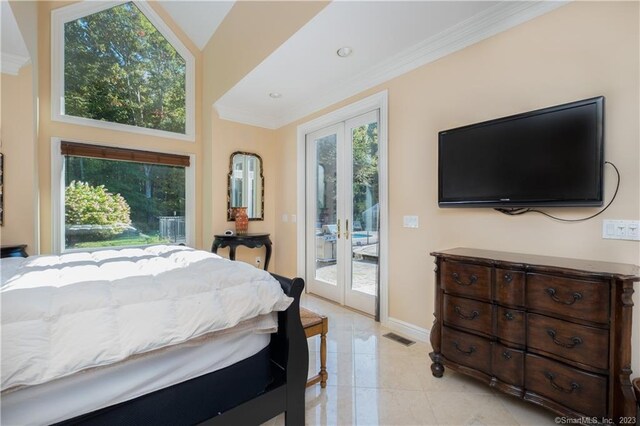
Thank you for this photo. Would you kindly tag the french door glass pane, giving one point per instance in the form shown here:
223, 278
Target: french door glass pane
365, 215
326, 216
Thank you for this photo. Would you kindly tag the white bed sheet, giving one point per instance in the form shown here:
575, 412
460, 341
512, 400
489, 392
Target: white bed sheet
62, 314
93, 389
8, 268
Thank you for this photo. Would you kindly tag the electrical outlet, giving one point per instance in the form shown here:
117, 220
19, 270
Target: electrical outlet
258, 260
615, 229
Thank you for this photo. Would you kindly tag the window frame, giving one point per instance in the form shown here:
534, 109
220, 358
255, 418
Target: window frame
75, 11
57, 199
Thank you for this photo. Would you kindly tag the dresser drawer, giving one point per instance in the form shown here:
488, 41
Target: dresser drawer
511, 325
510, 287
467, 313
583, 392
508, 365
587, 345
466, 349
467, 280
588, 300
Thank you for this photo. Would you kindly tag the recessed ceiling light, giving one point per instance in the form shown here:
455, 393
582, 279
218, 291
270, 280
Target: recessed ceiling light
275, 95
345, 51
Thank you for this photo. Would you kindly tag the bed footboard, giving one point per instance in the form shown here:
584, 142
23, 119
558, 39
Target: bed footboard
289, 349
290, 359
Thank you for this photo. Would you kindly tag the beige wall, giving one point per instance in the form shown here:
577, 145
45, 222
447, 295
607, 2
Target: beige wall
249, 33
18, 147
49, 128
244, 39
230, 137
578, 51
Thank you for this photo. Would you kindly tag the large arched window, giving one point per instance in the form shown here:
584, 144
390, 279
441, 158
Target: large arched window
117, 65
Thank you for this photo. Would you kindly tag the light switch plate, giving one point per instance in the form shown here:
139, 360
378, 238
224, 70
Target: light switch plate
633, 230
617, 229
410, 221
285, 217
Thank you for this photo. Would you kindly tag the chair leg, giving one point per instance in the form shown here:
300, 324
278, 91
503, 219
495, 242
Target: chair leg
323, 358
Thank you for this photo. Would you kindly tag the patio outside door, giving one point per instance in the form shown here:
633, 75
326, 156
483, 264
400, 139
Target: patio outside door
343, 212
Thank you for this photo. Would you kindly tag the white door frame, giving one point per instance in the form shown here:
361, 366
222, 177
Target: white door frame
376, 101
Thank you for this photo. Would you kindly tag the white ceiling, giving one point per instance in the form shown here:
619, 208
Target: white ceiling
198, 19
388, 39
12, 47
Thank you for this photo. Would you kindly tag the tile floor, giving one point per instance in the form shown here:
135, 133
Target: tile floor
376, 381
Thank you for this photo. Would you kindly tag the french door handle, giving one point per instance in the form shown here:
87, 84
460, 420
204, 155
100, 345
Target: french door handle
346, 230
338, 228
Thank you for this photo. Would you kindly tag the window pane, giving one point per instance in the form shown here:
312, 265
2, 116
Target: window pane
119, 68
326, 208
119, 203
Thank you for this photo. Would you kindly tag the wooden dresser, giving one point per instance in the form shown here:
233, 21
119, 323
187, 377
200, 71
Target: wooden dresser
553, 331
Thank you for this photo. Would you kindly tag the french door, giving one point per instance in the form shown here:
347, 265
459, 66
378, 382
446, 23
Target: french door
343, 214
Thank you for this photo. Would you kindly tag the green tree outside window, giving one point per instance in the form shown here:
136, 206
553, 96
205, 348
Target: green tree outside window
96, 189
119, 68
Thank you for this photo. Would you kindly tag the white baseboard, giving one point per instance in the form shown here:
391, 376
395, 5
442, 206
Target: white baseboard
409, 330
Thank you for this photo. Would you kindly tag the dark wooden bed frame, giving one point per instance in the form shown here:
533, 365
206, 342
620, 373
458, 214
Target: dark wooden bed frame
250, 392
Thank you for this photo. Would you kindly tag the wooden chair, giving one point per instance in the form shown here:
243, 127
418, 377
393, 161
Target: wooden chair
313, 325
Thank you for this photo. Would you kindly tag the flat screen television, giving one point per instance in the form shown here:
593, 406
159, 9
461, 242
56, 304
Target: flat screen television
548, 157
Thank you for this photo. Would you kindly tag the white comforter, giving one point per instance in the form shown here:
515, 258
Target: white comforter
63, 314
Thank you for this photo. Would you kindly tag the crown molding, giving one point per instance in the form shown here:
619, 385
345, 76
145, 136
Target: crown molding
499, 18
11, 64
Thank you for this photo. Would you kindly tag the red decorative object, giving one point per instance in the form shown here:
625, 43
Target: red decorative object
242, 220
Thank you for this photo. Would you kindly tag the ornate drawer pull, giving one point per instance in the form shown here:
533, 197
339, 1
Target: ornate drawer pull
506, 355
552, 294
551, 377
575, 341
471, 350
472, 279
471, 317
508, 278
509, 316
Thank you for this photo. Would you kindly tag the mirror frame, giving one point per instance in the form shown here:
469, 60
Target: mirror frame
230, 217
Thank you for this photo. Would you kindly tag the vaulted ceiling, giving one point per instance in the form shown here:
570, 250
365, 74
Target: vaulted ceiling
198, 19
388, 38
12, 46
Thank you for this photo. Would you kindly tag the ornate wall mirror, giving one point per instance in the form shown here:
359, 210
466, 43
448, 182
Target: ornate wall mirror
246, 185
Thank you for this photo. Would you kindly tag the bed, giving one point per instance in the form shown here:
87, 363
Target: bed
170, 360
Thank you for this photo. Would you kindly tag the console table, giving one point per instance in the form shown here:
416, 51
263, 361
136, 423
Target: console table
246, 240
549, 330
14, 250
